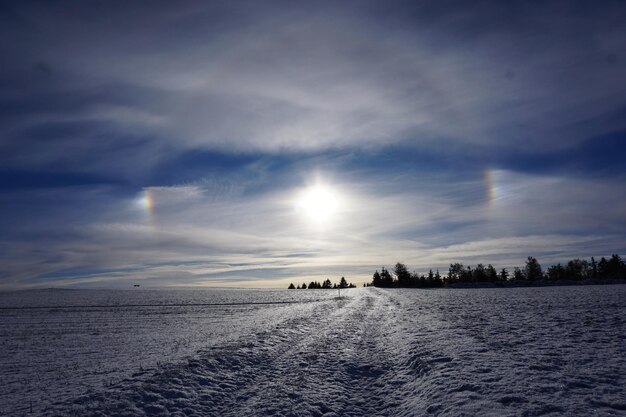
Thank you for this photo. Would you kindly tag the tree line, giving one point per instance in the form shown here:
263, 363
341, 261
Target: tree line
574, 270
314, 285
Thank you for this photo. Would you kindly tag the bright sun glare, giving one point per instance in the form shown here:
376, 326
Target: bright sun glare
318, 203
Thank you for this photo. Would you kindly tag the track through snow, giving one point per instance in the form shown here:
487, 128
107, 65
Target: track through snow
399, 353
329, 362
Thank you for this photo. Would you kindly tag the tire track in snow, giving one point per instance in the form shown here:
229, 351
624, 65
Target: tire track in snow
336, 360
403, 353
333, 370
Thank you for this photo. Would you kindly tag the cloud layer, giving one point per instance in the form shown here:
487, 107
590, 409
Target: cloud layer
167, 143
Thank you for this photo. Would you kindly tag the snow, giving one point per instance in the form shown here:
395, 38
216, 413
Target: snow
515, 351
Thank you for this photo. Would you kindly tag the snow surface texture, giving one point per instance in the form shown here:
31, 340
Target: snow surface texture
521, 351
53, 346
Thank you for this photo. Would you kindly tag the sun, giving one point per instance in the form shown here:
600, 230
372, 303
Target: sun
319, 203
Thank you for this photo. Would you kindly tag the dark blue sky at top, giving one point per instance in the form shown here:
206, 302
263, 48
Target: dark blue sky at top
167, 142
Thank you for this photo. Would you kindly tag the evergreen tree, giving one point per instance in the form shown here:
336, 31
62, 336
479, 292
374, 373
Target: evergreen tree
303, 286
491, 274
291, 287
386, 278
603, 266
577, 270
467, 275
594, 268
615, 267
532, 270
479, 274
455, 273
414, 279
420, 281
556, 272
518, 275
504, 275
438, 281
376, 280
402, 274
343, 283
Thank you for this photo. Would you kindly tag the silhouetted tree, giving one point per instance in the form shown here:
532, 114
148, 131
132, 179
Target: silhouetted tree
455, 273
291, 286
421, 281
504, 275
386, 278
466, 275
479, 274
343, 283
574, 270
556, 272
532, 270
376, 280
594, 268
615, 267
603, 266
491, 274
518, 275
431, 280
327, 284
402, 274
577, 270
303, 286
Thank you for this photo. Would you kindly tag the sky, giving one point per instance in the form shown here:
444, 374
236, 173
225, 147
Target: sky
254, 144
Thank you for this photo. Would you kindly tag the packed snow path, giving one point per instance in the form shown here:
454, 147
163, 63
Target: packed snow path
392, 352
329, 361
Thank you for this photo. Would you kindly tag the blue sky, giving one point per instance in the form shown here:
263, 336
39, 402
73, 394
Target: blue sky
258, 143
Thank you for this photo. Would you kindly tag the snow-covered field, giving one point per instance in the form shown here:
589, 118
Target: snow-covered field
374, 352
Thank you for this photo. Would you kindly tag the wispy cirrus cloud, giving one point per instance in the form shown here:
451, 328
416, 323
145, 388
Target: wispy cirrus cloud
185, 236
242, 78
168, 143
